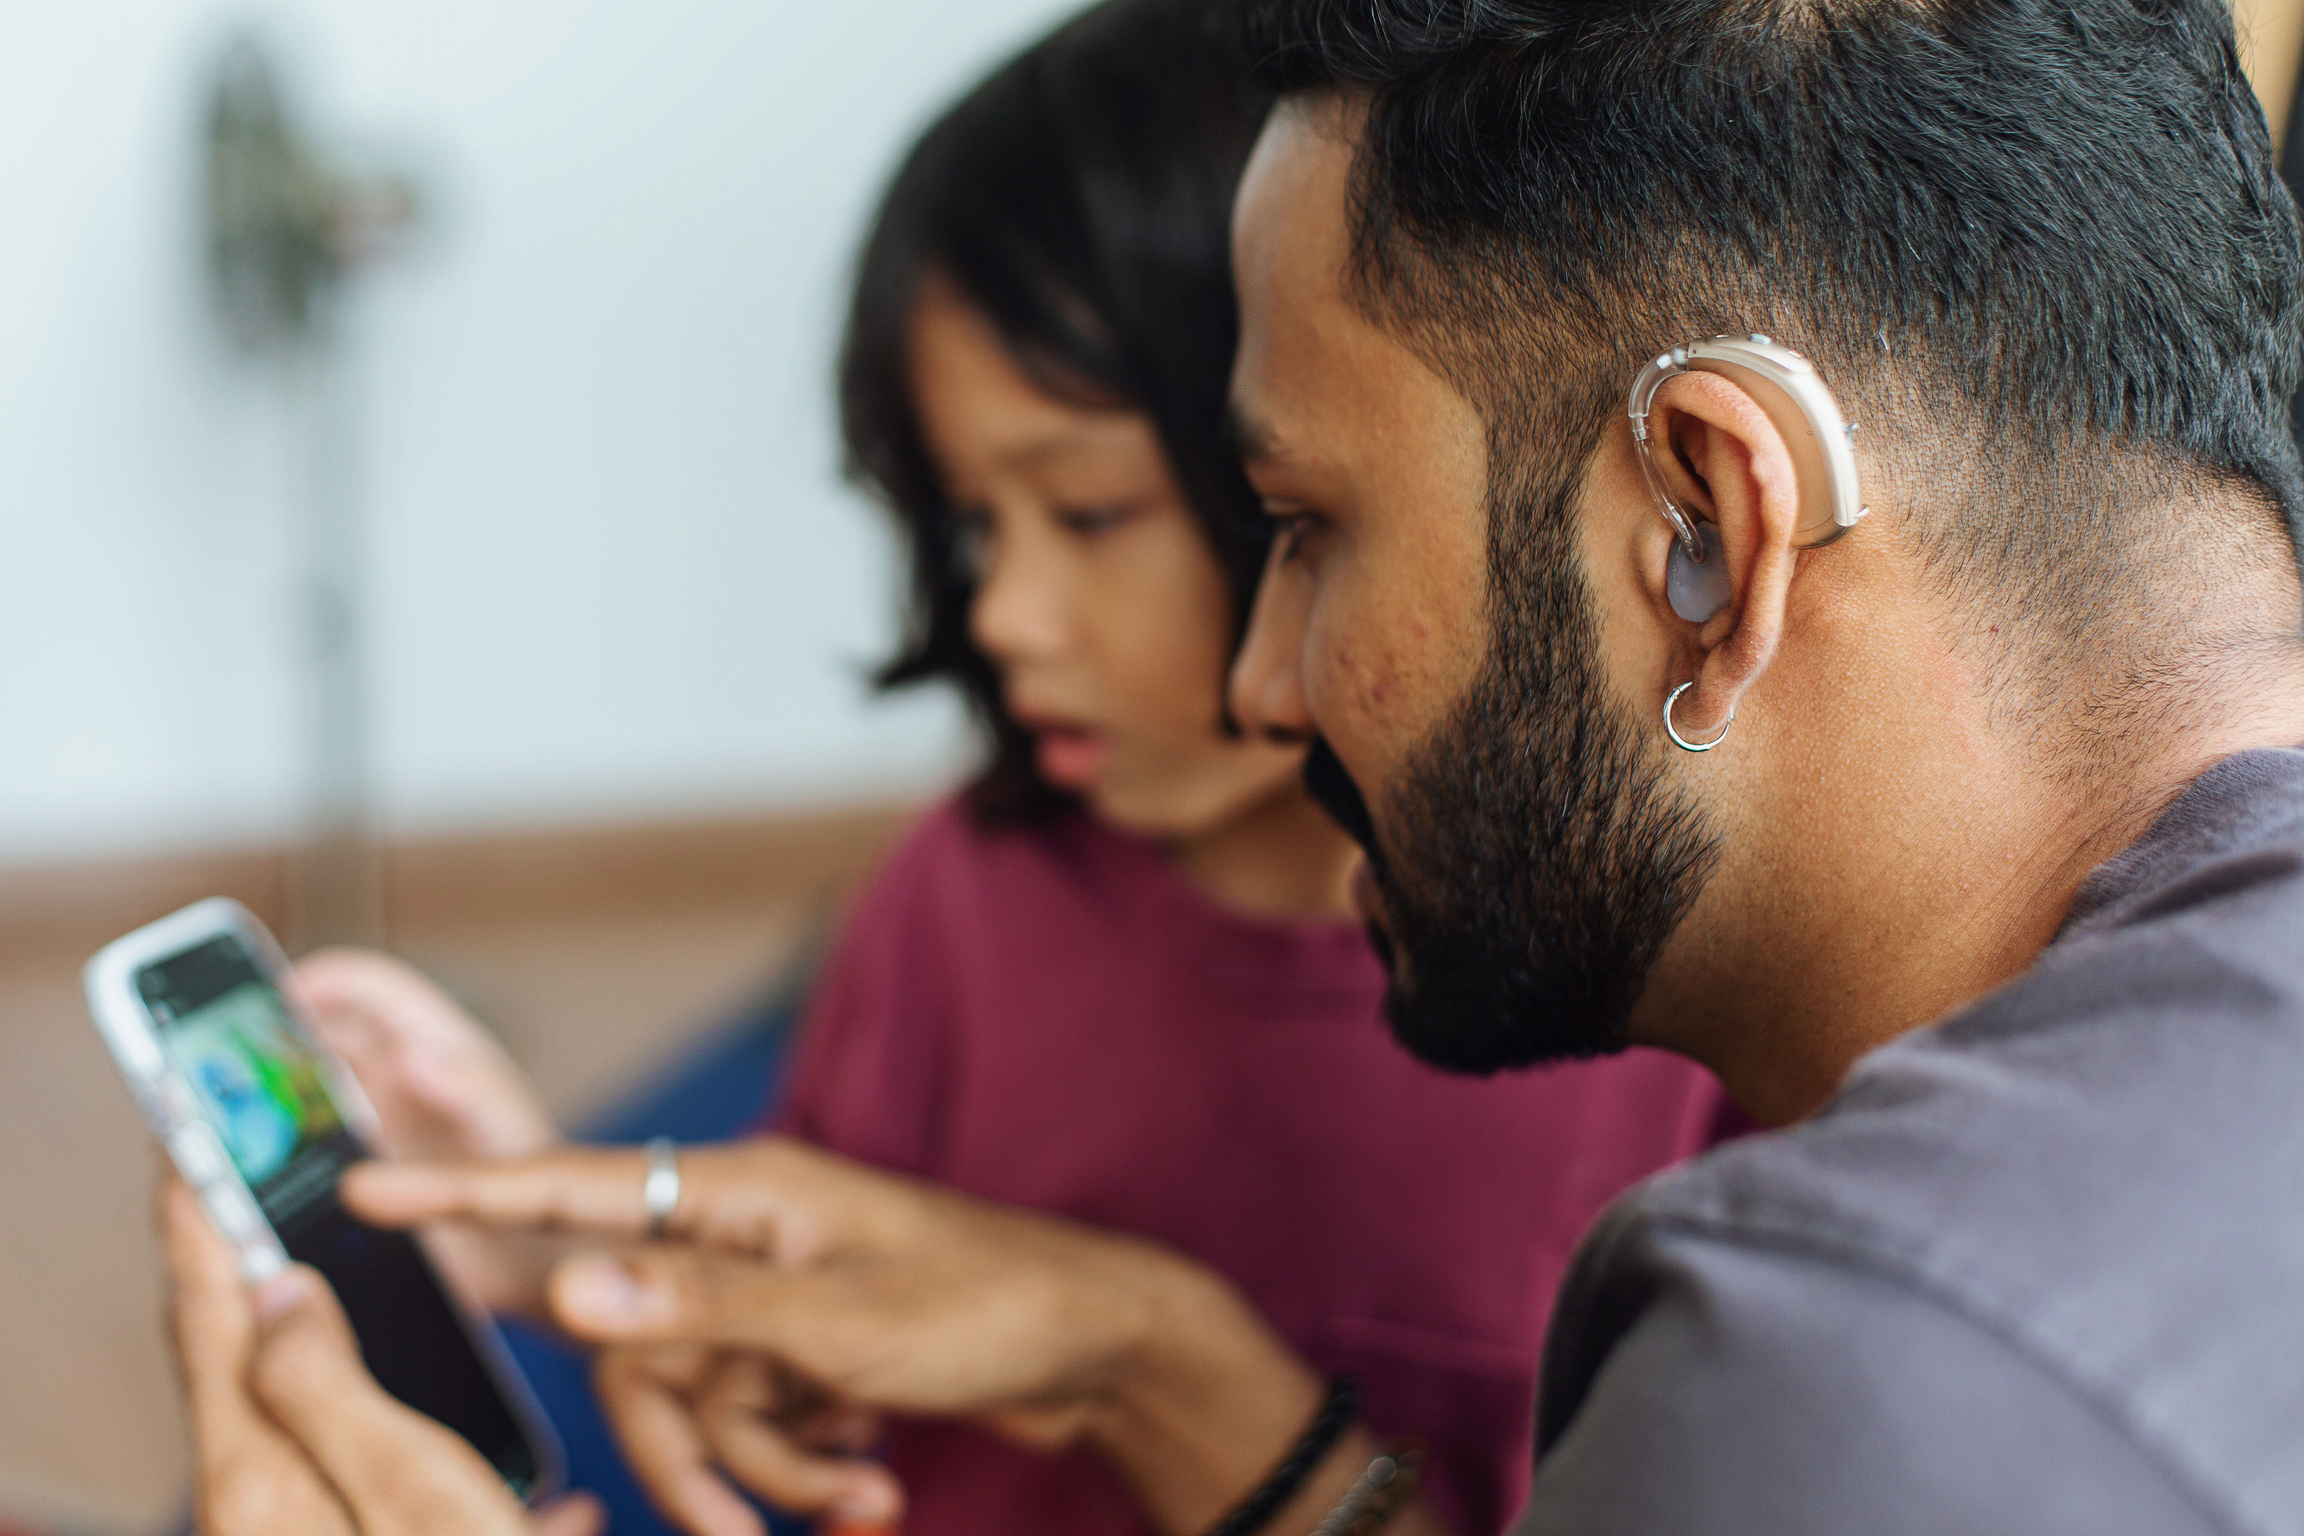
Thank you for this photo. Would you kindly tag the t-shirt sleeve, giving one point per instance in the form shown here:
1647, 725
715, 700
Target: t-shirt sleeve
1761, 1393
868, 1069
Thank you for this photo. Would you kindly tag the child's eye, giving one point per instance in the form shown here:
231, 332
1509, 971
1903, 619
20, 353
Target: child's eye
971, 545
1090, 521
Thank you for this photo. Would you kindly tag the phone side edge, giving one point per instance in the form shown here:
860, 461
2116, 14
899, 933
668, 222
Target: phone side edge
161, 1096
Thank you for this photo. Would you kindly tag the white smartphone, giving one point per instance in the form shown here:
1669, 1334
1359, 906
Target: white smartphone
262, 1120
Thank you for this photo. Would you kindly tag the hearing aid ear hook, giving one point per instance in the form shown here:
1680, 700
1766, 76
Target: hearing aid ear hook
1784, 384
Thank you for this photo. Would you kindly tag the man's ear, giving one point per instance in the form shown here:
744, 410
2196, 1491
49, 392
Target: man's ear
1724, 460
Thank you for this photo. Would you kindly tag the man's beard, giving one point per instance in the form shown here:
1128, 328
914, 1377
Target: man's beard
1538, 858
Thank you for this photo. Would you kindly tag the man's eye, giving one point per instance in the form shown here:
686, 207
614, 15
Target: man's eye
1290, 527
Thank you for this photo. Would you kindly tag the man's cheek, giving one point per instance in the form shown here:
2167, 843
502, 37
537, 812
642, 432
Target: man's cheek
1364, 696
1347, 703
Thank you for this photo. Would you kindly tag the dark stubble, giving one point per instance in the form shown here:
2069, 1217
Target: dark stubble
1534, 856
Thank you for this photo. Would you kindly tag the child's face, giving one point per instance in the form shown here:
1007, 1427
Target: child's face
1097, 599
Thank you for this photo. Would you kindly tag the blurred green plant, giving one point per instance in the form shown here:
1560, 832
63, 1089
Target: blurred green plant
285, 222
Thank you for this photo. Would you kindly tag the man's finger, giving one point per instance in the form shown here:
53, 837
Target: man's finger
214, 1325
760, 1453
844, 1326
249, 1479
574, 1514
666, 1448
663, 1294
399, 1471
767, 1196
579, 1189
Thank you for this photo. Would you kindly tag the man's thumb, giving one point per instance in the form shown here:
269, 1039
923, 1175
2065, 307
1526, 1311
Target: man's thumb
306, 1367
297, 1318
681, 1295
606, 1296
396, 1469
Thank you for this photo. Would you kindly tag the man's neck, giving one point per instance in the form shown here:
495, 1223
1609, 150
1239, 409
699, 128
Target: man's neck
1952, 879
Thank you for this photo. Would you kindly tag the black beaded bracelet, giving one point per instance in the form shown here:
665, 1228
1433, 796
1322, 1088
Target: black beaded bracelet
1337, 1411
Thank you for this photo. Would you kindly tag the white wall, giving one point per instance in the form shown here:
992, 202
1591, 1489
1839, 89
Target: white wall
615, 571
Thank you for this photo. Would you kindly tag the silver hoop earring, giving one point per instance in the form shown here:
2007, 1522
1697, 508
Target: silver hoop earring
1682, 742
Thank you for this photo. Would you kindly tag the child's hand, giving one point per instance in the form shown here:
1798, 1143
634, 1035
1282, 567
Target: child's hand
443, 1089
441, 1084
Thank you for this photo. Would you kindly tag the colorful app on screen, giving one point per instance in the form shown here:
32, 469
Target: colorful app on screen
261, 1085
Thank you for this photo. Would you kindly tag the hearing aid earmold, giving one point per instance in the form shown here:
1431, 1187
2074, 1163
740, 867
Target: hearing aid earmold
1784, 384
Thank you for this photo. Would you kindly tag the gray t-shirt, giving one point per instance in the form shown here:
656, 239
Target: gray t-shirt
2038, 1268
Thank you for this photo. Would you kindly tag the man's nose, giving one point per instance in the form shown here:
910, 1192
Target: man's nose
1266, 689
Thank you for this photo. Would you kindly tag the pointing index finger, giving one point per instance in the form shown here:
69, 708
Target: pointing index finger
585, 1189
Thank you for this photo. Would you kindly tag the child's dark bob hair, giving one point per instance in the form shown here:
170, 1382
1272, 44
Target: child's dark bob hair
1081, 199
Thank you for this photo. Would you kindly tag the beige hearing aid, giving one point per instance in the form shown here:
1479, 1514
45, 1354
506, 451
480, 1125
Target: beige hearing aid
1785, 385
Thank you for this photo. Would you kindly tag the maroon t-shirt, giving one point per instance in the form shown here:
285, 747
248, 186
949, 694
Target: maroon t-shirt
1056, 1018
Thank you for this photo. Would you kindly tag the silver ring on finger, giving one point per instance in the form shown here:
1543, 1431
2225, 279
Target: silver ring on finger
660, 1191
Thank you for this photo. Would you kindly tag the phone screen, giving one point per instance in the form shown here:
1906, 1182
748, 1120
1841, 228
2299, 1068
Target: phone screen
259, 1081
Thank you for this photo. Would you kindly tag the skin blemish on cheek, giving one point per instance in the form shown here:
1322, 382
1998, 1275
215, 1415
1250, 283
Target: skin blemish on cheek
1381, 682
1373, 685
1423, 630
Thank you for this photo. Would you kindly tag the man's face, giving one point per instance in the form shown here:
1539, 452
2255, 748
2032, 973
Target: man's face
1427, 616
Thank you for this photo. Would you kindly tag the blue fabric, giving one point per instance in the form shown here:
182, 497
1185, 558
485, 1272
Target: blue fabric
715, 1093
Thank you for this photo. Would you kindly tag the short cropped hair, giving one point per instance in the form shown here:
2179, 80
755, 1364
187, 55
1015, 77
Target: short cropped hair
2053, 226
1081, 199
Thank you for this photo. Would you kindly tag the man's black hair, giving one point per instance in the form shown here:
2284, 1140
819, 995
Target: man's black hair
2052, 228
1081, 198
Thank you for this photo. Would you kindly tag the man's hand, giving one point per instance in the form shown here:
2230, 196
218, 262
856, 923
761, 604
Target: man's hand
292, 1436
692, 1417
808, 1289
442, 1088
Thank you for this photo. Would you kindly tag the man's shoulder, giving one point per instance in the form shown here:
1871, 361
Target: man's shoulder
1895, 1317
1750, 1386
2069, 1146
2093, 1172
